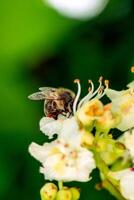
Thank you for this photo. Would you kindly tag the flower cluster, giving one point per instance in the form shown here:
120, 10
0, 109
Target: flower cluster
82, 140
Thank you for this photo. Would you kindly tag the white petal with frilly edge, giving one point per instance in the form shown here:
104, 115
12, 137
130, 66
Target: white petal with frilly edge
50, 126
63, 162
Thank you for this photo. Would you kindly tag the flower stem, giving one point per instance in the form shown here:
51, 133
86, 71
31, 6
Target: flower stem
114, 191
109, 183
97, 134
60, 185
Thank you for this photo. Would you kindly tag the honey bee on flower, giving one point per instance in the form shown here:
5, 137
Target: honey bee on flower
56, 101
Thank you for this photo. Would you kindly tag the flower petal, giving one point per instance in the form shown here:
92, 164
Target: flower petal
70, 132
131, 85
50, 126
36, 151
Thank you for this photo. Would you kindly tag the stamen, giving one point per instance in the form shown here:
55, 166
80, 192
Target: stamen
96, 91
106, 82
132, 69
100, 92
92, 85
90, 90
77, 95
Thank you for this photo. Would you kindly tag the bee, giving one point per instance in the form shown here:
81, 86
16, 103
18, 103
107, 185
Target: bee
56, 101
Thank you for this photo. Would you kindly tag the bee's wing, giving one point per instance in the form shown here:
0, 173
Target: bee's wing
50, 93
37, 96
47, 93
47, 89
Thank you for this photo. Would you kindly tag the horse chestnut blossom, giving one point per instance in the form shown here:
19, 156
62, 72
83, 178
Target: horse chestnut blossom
81, 140
123, 106
78, 9
64, 159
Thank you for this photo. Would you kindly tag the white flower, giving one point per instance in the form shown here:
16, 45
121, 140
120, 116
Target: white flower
128, 139
123, 105
62, 162
79, 9
126, 182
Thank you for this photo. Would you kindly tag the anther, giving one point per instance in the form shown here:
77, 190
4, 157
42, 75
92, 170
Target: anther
132, 69
92, 85
101, 79
89, 81
107, 83
77, 81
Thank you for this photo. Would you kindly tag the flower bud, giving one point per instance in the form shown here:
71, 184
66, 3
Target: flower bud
64, 194
48, 191
87, 139
75, 193
109, 150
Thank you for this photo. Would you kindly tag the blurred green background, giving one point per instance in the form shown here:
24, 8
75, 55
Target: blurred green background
39, 47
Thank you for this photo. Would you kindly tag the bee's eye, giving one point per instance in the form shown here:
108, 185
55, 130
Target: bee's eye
66, 96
